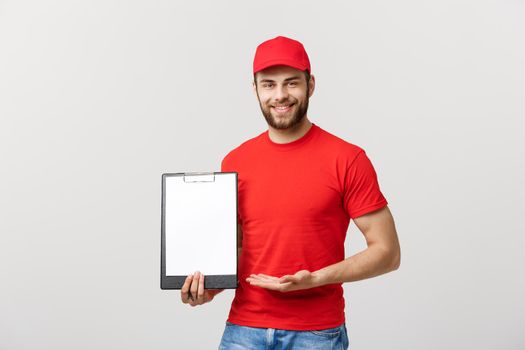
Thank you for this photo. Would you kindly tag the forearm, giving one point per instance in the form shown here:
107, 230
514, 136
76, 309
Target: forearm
371, 262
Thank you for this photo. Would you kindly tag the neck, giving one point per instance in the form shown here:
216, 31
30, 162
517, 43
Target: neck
291, 134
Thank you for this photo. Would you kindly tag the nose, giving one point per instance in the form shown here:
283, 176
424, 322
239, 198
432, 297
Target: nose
281, 93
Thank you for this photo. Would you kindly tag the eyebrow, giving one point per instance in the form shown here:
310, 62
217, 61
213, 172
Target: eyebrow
295, 77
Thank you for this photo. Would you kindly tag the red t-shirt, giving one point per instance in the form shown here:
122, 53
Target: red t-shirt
295, 204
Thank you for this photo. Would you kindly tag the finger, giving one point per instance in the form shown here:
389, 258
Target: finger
287, 287
269, 277
200, 290
264, 278
195, 285
282, 287
185, 288
259, 279
303, 275
263, 284
288, 278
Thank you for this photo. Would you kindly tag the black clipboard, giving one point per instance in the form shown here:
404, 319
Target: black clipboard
199, 229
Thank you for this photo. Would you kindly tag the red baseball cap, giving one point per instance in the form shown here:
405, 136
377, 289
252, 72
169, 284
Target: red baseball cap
280, 51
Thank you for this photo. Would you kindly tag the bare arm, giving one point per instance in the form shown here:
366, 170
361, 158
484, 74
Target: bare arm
382, 255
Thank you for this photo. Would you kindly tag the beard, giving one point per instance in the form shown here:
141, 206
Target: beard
286, 121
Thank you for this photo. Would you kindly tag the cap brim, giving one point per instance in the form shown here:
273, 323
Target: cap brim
278, 62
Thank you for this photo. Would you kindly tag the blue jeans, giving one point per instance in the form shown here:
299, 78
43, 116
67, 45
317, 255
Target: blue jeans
242, 337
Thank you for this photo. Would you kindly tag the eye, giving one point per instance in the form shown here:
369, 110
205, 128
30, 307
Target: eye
292, 83
267, 85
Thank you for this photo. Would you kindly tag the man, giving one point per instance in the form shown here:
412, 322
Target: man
298, 188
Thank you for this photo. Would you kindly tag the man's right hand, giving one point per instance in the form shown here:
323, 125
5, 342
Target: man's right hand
193, 292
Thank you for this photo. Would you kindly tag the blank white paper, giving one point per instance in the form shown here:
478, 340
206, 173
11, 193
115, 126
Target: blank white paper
201, 225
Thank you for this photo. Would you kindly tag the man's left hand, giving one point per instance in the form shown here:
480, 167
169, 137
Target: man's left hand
303, 279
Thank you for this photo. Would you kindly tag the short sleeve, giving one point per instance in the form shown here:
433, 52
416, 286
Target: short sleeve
362, 193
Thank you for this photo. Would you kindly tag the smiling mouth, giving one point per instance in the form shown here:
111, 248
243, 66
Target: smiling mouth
283, 109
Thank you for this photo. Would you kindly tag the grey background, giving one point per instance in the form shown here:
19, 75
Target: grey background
98, 98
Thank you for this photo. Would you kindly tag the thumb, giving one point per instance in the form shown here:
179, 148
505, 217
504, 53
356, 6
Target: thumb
286, 278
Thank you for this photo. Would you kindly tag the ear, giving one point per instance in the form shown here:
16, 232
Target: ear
311, 86
254, 88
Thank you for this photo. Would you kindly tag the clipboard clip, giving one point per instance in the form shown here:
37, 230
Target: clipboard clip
199, 177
